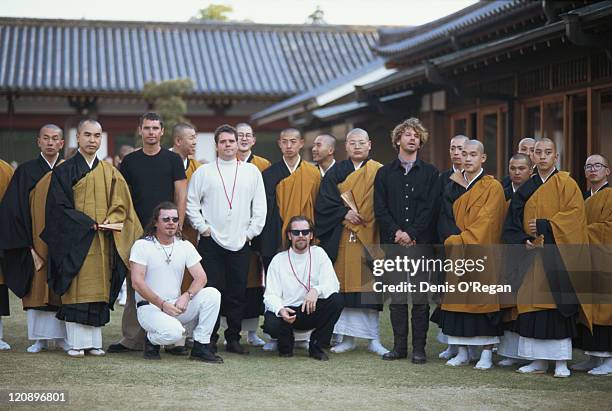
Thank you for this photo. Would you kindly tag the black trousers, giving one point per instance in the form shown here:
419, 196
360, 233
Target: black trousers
227, 271
399, 322
322, 320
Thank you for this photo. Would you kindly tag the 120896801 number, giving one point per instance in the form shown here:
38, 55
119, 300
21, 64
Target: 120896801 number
16, 396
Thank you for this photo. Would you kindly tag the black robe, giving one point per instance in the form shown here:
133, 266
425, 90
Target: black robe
330, 209
69, 235
270, 239
16, 234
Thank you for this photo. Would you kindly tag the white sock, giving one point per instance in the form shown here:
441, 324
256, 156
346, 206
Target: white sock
460, 359
336, 339
537, 366
486, 360
376, 347
604, 369
449, 353
590, 363
4, 345
347, 344
38, 346
271, 345
561, 369
507, 362
253, 339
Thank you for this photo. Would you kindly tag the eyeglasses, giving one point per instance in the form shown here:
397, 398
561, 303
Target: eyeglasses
167, 219
595, 167
358, 144
300, 232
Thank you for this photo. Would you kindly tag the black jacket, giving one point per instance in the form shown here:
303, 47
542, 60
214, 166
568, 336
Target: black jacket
406, 201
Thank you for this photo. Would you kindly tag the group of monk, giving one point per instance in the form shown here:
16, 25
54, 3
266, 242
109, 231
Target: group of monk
68, 226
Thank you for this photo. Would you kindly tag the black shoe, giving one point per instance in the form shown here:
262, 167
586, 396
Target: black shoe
151, 351
316, 352
202, 352
177, 350
394, 355
419, 357
117, 348
285, 354
236, 348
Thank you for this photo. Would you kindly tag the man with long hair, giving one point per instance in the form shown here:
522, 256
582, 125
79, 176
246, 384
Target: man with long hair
158, 261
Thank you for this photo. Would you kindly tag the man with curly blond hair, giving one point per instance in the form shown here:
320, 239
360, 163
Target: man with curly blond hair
405, 193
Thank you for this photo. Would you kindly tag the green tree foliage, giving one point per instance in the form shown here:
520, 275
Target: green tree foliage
317, 17
167, 100
216, 12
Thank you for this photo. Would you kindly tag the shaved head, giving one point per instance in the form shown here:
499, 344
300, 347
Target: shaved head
85, 122
476, 143
597, 158
546, 141
459, 138
527, 140
358, 132
51, 127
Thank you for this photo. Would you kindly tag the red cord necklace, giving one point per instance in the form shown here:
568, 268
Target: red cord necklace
230, 201
307, 288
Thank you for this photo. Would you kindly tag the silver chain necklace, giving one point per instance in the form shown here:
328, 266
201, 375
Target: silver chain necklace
168, 256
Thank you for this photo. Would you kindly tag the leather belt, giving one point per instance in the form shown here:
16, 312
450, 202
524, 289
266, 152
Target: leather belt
141, 303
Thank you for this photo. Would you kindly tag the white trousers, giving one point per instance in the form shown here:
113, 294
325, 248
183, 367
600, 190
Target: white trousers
248, 324
358, 322
163, 329
480, 340
508, 345
44, 325
536, 349
83, 337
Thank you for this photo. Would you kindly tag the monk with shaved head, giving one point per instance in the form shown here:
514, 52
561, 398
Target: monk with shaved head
21, 245
472, 214
598, 207
548, 211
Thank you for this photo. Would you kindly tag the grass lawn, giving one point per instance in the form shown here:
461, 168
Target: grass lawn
261, 380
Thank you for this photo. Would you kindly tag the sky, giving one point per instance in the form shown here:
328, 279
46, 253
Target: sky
357, 12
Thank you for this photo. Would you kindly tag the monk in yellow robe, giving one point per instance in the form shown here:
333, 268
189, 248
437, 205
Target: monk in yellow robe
291, 186
17, 242
90, 226
471, 220
6, 173
547, 216
598, 208
254, 306
348, 233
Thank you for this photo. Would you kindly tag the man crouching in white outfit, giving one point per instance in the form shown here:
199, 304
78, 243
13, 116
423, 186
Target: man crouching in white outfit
158, 262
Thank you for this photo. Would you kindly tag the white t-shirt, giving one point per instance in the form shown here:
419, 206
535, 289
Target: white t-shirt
163, 278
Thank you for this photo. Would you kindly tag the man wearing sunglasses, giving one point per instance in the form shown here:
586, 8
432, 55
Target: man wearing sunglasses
598, 207
158, 262
301, 292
